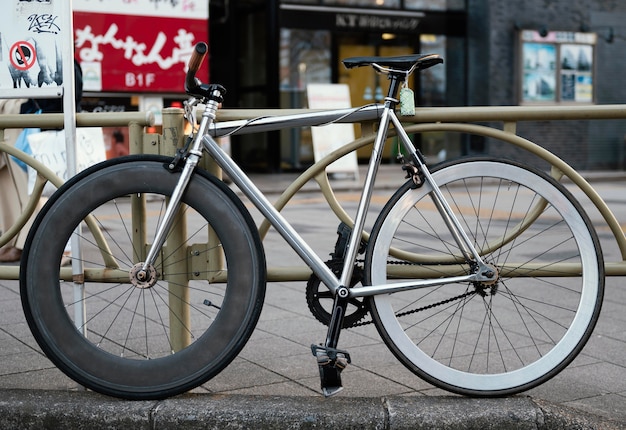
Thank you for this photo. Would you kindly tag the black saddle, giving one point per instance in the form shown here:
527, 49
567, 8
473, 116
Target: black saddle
402, 63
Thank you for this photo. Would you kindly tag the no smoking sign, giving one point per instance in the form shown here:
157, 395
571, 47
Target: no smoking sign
22, 55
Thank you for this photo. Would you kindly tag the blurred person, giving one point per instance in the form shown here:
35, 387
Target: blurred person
13, 189
120, 148
14, 180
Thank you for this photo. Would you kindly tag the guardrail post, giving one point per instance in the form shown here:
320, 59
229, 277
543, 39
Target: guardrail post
138, 203
174, 251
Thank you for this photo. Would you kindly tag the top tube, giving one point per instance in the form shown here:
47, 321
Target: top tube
308, 119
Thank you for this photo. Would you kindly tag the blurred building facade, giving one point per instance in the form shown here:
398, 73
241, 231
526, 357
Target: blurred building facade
536, 52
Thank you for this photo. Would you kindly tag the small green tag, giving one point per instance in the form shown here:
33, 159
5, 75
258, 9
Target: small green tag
407, 102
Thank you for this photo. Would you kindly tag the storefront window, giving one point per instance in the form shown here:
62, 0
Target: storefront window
304, 58
315, 37
433, 80
442, 85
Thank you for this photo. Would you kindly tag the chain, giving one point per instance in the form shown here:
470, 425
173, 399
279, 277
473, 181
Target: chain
423, 308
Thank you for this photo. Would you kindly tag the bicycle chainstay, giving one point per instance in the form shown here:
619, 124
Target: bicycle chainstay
423, 308
336, 263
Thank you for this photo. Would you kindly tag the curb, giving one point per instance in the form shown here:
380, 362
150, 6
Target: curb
27, 409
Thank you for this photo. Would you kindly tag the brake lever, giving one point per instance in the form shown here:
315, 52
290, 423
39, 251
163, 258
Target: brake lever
189, 113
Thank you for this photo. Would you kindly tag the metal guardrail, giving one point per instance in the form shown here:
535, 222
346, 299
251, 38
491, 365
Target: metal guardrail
453, 119
461, 120
135, 121
504, 114
426, 119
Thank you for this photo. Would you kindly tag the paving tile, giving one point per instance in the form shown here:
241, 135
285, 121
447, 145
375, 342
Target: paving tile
607, 348
609, 405
242, 374
48, 378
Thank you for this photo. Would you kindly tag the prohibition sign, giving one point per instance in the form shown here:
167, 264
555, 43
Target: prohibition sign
22, 55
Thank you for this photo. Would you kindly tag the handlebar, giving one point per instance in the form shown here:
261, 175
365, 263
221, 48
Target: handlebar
193, 85
197, 57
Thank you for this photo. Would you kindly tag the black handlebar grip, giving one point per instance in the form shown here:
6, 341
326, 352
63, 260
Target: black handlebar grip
197, 57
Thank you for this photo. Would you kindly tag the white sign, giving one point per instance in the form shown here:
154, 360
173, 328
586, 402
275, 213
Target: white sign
48, 147
329, 137
32, 36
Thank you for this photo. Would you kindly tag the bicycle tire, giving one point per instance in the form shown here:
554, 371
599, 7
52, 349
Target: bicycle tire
487, 340
142, 341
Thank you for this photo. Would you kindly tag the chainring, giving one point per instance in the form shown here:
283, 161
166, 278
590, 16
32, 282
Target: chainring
316, 299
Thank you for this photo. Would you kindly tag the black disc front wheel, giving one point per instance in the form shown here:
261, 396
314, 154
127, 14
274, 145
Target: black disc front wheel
129, 331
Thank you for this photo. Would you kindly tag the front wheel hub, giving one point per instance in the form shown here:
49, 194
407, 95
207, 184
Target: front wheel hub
143, 278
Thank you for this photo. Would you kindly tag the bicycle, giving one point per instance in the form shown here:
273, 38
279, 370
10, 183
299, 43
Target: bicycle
484, 277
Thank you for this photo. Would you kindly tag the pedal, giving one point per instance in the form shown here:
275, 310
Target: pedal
331, 363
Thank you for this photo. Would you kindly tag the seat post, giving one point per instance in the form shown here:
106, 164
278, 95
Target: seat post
396, 82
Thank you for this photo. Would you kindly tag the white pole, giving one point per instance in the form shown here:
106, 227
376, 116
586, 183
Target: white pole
69, 121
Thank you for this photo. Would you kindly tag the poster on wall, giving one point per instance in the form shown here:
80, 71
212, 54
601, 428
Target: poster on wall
576, 73
539, 80
138, 45
557, 67
32, 34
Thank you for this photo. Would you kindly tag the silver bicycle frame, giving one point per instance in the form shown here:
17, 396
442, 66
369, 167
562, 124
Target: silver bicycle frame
249, 189
386, 115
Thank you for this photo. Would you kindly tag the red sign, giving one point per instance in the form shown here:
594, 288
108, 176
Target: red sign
139, 54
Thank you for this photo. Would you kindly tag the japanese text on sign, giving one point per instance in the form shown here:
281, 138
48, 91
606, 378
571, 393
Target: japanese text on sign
137, 45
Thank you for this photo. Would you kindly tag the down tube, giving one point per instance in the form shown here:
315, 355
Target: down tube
285, 229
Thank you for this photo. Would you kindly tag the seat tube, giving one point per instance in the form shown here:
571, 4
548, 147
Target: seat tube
342, 294
366, 196
368, 186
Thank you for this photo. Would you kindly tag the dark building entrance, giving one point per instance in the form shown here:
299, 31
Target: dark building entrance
267, 52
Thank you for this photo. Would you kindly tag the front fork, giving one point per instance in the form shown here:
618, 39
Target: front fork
192, 159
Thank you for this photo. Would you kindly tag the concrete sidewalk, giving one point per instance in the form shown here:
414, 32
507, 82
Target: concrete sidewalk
274, 382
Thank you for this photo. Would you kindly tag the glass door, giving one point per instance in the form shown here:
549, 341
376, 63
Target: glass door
366, 86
